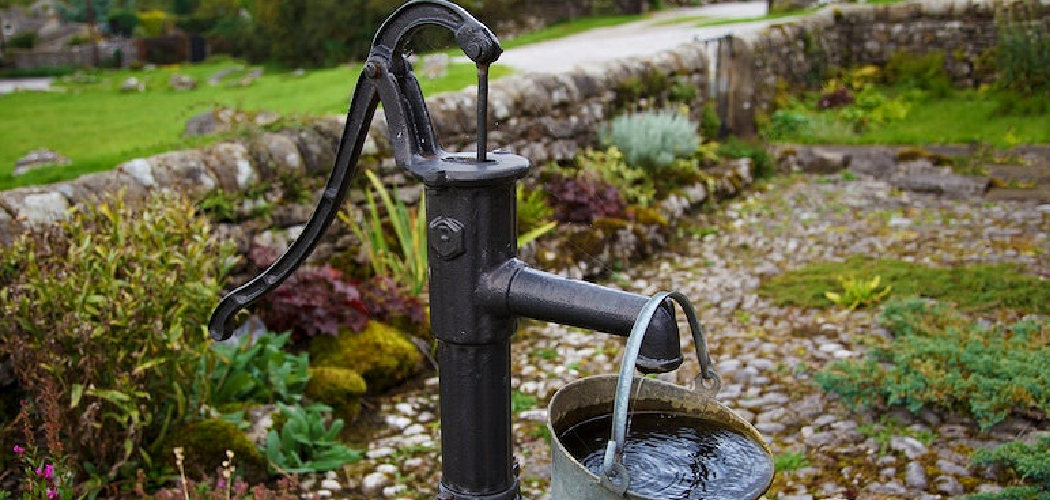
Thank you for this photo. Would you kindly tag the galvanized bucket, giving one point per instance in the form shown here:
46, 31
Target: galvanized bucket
607, 395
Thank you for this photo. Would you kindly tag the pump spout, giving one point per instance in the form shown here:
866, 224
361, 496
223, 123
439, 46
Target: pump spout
526, 292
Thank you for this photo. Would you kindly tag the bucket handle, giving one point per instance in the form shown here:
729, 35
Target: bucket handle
613, 475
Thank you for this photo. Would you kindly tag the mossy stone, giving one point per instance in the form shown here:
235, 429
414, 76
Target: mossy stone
204, 447
381, 354
650, 217
340, 388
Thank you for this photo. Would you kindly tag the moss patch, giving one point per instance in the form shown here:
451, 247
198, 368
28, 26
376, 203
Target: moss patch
340, 388
205, 444
976, 287
380, 353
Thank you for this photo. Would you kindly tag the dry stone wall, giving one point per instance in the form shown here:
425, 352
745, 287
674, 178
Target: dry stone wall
545, 117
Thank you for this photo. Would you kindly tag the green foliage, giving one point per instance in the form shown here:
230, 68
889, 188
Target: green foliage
519, 401
939, 358
534, 215
786, 123
885, 429
307, 442
123, 22
1022, 56
975, 287
110, 306
652, 140
925, 72
710, 123
154, 23
636, 184
790, 461
218, 205
1030, 461
407, 264
257, 370
735, 148
858, 292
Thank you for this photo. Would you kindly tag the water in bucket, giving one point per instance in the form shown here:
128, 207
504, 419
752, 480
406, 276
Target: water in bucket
675, 456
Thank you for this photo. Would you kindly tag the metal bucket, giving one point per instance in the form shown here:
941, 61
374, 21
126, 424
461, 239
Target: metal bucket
611, 396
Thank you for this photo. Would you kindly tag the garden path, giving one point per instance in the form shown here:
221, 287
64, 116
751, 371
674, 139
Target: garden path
766, 354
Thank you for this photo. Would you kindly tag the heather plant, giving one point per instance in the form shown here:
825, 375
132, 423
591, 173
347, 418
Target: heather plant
320, 301
938, 357
583, 197
407, 263
108, 307
44, 477
652, 140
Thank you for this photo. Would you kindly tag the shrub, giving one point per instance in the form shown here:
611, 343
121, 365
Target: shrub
786, 123
381, 354
1023, 53
925, 72
22, 41
1030, 461
736, 148
110, 305
710, 123
317, 300
635, 184
836, 98
940, 358
583, 198
652, 139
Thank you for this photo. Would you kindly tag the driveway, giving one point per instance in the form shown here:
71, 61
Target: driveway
649, 36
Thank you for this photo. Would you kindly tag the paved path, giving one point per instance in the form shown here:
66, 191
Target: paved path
644, 37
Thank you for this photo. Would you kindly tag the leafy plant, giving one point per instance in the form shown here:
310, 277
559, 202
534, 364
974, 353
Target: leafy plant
519, 401
858, 292
926, 72
306, 442
583, 197
755, 150
635, 184
407, 264
109, 306
1022, 55
790, 461
257, 370
652, 139
1030, 461
219, 206
44, 476
710, 123
313, 301
534, 215
786, 123
940, 358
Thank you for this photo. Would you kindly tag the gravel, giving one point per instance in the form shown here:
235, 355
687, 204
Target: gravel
765, 354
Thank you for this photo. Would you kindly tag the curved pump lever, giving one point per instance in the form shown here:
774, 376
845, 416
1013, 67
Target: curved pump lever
386, 78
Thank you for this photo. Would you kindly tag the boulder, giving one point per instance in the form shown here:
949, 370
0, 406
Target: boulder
132, 84
38, 158
182, 82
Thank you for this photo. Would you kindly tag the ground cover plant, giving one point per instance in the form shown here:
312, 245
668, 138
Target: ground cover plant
98, 127
940, 358
972, 287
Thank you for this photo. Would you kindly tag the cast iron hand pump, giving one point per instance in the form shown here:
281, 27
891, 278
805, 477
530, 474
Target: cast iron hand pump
477, 286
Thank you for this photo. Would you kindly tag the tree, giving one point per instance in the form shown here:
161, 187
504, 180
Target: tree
78, 10
314, 33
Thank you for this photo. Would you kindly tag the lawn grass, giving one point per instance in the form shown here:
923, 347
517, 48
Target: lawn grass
98, 127
962, 118
974, 287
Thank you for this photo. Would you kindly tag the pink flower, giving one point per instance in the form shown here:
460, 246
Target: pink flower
49, 471
39, 471
52, 493
20, 450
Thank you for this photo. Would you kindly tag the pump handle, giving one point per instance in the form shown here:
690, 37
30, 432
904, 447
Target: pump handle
387, 78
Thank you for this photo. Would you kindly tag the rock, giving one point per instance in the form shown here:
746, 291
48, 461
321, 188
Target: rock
952, 468
911, 447
38, 158
823, 161
132, 84
915, 476
203, 124
372, 485
181, 83
217, 78
949, 485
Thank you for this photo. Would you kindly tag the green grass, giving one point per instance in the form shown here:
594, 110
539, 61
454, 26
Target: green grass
98, 127
962, 118
768, 17
975, 287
